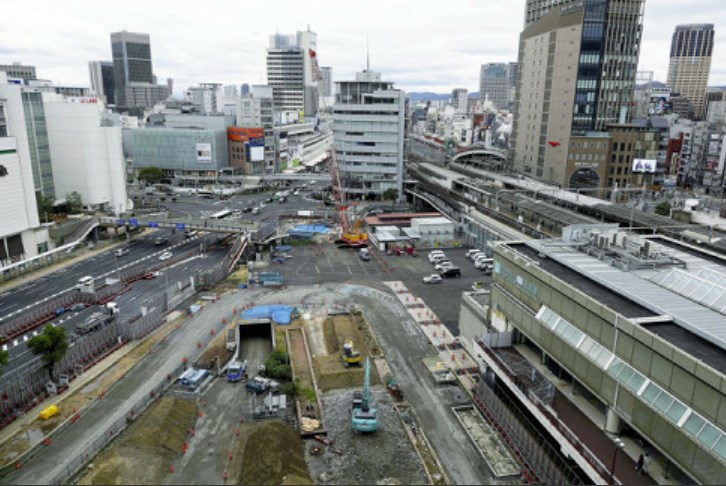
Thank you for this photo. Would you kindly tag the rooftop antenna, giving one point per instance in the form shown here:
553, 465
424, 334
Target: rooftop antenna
368, 55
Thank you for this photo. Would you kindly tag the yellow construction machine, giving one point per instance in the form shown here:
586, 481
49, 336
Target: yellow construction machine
350, 355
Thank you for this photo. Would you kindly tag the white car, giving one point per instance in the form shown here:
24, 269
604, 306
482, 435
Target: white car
165, 256
472, 254
443, 264
434, 278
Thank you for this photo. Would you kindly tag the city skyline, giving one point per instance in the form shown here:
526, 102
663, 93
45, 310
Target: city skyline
417, 49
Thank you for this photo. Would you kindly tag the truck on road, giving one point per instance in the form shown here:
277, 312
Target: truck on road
236, 371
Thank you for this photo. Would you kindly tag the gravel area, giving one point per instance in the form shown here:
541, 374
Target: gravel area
384, 457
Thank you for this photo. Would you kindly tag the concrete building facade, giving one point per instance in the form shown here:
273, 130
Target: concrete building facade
635, 326
459, 99
577, 69
369, 126
17, 70
690, 63
293, 71
254, 110
18, 239
87, 156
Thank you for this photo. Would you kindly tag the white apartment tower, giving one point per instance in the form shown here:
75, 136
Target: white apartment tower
369, 121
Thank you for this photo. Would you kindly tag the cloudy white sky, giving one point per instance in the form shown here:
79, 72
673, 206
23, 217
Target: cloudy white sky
420, 45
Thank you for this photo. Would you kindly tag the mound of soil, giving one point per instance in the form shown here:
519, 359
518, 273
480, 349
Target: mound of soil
330, 372
273, 454
142, 454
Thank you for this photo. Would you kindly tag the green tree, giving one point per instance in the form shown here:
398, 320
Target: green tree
45, 206
74, 201
277, 366
51, 346
390, 194
663, 209
151, 175
4, 358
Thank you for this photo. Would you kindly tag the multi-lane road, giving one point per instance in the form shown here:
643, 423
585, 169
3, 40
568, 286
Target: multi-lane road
143, 253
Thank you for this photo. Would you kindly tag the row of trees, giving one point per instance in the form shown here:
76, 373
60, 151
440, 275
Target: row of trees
46, 205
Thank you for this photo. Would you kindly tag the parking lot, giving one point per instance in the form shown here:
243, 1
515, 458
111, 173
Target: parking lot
312, 264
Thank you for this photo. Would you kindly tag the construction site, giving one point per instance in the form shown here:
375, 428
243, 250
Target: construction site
211, 434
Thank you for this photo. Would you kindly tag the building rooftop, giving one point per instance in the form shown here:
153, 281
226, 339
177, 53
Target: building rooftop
640, 278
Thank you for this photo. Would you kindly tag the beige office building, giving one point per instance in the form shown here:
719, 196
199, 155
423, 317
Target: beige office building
577, 67
690, 63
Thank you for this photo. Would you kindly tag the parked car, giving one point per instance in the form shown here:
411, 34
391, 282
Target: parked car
473, 253
434, 278
437, 258
77, 307
256, 211
435, 254
451, 272
443, 264
165, 256
364, 254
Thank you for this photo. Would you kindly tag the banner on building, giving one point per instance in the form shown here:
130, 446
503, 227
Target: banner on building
204, 152
643, 166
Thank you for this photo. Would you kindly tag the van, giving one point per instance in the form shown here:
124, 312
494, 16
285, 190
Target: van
84, 282
437, 258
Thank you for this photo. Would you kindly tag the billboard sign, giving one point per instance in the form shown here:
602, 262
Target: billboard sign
257, 153
643, 166
204, 152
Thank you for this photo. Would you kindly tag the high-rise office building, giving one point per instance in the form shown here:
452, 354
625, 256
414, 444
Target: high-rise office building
495, 81
133, 72
369, 121
256, 110
293, 71
327, 88
690, 63
577, 69
17, 70
459, 99
102, 80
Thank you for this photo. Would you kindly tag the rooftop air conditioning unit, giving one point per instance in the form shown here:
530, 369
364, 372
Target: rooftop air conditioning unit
603, 243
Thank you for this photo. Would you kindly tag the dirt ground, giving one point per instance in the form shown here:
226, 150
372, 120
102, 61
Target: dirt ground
218, 347
329, 369
272, 453
142, 454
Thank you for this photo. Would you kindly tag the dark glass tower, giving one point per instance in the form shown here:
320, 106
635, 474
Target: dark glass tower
131, 62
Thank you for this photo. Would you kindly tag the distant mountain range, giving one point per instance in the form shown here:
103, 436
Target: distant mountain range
434, 96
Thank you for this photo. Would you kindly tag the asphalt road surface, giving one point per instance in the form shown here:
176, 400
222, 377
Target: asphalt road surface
140, 293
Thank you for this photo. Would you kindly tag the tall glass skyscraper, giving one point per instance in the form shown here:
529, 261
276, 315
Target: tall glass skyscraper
37, 129
690, 63
131, 62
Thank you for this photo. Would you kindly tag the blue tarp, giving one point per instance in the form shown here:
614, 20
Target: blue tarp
280, 314
307, 230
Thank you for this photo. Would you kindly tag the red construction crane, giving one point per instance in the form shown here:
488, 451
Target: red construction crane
352, 234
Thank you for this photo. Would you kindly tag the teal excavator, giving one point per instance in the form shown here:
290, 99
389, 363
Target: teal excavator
364, 419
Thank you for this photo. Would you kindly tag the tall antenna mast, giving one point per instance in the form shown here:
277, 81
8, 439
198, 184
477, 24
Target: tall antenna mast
368, 55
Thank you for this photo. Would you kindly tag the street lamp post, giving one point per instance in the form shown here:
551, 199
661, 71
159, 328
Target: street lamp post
619, 444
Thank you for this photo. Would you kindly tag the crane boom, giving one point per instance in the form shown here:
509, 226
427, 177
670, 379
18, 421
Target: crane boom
352, 234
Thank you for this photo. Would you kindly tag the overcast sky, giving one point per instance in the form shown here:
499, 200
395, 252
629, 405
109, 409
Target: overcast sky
419, 45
